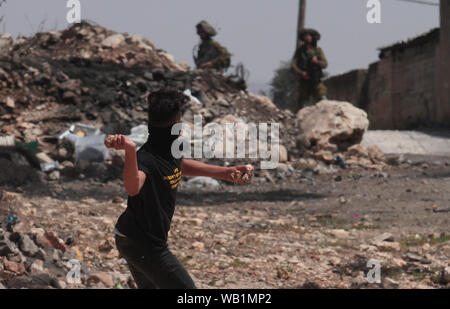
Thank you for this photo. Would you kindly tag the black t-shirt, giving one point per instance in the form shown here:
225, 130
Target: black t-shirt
149, 214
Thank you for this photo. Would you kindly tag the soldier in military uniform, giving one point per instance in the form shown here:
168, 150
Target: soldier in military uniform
210, 53
308, 63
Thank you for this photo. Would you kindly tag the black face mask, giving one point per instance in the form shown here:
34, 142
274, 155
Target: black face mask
161, 139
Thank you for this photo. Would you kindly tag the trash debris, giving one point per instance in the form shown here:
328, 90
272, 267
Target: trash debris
48, 167
7, 140
91, 148
11, 221
188, 93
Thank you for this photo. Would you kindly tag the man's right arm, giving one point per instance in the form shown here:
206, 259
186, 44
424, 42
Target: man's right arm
133, 178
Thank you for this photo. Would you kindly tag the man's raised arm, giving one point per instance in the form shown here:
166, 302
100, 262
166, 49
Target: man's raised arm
133, 178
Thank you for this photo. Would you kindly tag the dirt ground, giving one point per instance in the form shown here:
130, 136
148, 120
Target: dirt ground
311, 231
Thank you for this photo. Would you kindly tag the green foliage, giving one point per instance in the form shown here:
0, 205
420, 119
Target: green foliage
284, 87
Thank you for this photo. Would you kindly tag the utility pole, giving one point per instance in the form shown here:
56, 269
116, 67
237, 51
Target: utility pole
301, 18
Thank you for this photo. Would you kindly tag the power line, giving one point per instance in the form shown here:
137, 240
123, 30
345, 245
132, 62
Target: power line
421, 2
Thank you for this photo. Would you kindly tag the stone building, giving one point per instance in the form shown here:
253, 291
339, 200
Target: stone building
409, 87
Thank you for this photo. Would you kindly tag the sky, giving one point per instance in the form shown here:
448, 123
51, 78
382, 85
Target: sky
259, 33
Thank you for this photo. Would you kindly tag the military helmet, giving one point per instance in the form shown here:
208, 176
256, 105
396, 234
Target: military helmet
207, 28
312, 32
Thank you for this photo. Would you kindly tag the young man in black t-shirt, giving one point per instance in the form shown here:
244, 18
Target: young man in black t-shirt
151, 176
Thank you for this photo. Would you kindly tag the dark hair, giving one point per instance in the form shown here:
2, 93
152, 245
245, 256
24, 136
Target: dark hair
164, 106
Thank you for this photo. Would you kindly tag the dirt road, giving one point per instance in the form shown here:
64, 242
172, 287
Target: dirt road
307, 231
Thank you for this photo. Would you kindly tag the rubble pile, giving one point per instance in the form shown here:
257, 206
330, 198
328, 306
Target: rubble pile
88, 74
331, 132
91, 75
33, 256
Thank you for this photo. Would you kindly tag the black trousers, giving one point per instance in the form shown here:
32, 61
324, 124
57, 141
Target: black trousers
153, 268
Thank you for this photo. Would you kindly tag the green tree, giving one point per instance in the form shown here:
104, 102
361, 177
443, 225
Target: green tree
284, 87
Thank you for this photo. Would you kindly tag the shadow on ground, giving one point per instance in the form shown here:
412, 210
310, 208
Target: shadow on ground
217, 198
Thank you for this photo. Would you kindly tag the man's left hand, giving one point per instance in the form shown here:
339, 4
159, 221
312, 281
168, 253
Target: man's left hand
239, 174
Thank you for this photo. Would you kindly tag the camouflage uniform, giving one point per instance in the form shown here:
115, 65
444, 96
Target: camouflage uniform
211, 51
302, 63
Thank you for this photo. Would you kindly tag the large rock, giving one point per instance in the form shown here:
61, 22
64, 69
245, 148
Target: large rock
331, 122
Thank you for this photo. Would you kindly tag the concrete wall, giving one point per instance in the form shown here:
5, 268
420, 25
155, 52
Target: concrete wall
406, 89
402, 87
379, 90
348, 87
409, 87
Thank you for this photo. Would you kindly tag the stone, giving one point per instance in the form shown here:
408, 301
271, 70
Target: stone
388, 246
357, 151
113, 41
37, 231
302, 164
54, 175
105, 278
56, 255
14, 267
384, 237
55, 241
398, 262
42, 241
45, 280
105, 246
446, 275
6, 248
283, 154
27, 246
6, 41
197, 245
391, 283
282, 168
339, 233
325, 156
10, 102
41, 254
265, 103
334, 261
70, 97
37, 267
338, 123
376, 154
